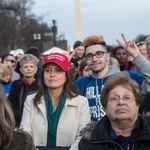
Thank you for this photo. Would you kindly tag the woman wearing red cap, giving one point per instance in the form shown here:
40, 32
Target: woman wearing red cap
56, 114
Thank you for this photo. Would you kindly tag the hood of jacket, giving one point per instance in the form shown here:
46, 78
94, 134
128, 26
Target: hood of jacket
112, 70
94, 131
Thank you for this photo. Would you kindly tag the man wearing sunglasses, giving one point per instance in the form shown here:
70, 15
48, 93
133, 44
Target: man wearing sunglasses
11, 61
97, 57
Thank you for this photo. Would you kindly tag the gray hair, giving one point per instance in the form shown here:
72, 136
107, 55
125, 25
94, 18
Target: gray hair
146, 40
28, 58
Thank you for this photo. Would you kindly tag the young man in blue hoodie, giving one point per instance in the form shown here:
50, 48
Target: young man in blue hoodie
97, 57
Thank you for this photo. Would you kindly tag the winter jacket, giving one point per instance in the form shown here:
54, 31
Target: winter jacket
17, 96
144, 108
99, 138
74, 117
21, 141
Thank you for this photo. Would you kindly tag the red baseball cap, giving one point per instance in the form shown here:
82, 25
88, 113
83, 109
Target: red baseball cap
60, 59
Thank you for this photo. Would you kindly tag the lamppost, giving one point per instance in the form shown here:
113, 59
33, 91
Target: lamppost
54, 30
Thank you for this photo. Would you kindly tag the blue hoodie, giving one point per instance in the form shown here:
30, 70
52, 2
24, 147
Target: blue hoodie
91, 87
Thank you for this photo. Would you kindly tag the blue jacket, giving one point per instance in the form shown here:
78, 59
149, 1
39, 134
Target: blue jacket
7, 87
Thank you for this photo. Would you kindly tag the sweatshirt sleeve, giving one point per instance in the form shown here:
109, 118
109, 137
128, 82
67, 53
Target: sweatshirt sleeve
144, 67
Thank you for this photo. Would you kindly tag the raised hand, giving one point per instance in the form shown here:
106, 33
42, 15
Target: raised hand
70, 52
129, 46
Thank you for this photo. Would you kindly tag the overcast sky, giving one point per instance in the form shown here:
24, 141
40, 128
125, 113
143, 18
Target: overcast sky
108, 18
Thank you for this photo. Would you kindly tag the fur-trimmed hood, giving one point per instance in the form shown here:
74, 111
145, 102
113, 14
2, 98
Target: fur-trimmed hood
146, 114
87, 131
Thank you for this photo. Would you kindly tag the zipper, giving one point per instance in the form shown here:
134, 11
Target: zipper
128, 146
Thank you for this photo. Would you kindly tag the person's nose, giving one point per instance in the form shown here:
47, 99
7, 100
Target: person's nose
121, 101
94, 57
52, 73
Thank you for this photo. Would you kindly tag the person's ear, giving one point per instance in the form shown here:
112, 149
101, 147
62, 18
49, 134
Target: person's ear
21, 70
108, 57
36, 68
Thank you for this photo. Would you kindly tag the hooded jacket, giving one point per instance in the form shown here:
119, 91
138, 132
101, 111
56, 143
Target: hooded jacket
91, 87
98, 138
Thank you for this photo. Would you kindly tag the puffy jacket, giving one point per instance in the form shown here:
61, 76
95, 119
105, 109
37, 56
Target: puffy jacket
99, 138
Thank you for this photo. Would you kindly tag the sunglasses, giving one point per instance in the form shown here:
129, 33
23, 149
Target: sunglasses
12, 61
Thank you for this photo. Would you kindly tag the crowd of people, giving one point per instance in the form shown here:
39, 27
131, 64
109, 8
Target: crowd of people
92, 97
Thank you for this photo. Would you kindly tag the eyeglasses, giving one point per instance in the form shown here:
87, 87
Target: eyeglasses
140, 43
98, 54
125, 99
12, 61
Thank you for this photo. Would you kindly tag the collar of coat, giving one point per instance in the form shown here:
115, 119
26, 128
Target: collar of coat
100, 131
69, 102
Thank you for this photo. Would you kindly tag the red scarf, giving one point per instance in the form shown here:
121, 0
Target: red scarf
126, 66
27, 83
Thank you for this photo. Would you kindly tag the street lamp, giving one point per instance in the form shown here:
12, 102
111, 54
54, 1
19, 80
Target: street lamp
37, 36
54, 29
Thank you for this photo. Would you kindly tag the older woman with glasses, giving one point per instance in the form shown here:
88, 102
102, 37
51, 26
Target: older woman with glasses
122, 128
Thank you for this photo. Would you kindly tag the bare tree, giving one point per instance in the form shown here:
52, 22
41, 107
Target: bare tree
18, 24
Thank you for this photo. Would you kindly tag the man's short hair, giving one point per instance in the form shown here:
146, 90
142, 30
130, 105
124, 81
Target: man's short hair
93, 40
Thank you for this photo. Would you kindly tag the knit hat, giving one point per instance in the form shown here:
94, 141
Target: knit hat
77, 44
34, 51
60, 59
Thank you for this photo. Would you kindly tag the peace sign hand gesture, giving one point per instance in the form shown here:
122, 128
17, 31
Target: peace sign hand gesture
129, 46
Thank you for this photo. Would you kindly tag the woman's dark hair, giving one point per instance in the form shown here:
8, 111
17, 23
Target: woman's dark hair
70, 90
81, 67
116, 49
5, 56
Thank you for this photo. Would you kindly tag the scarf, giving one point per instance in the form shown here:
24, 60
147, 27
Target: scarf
53, 118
